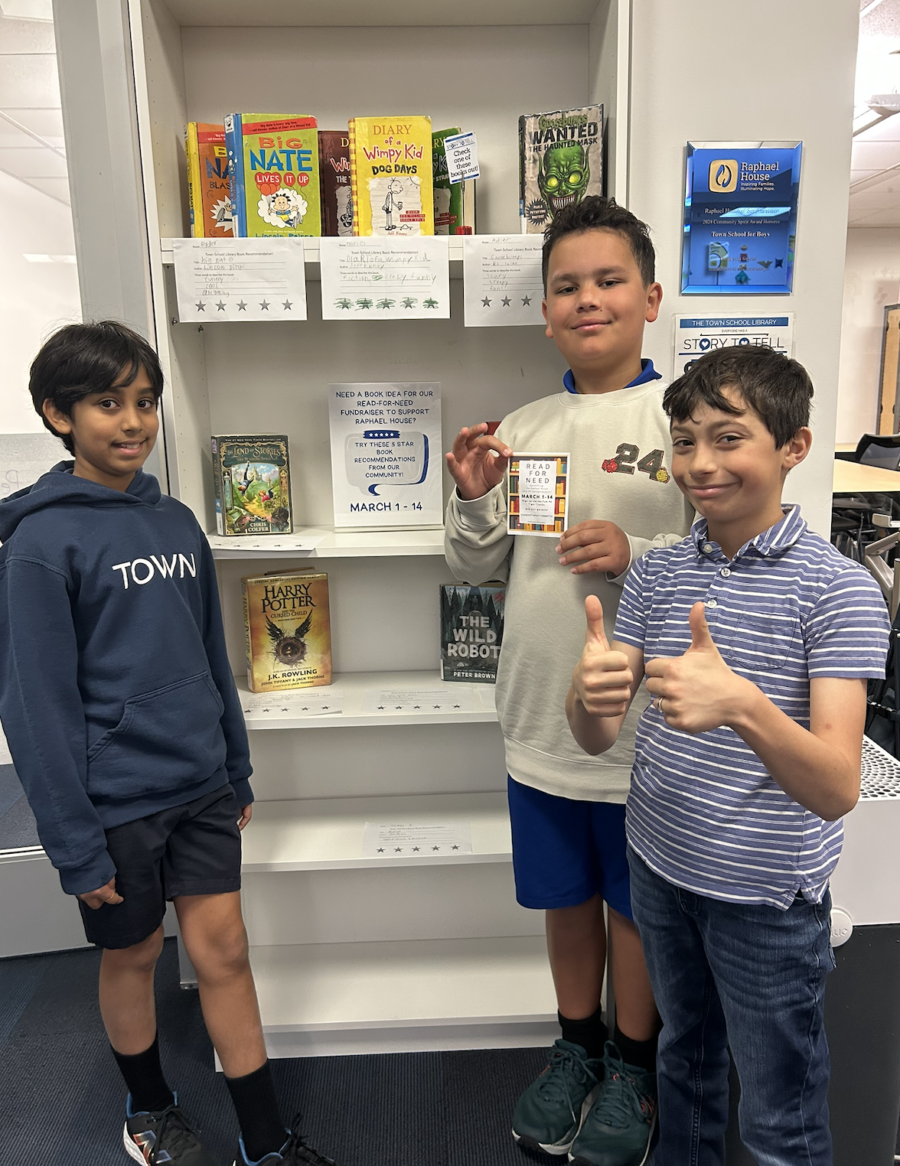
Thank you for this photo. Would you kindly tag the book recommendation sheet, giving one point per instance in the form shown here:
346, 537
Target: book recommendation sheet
385, 279
239, 279
386, 454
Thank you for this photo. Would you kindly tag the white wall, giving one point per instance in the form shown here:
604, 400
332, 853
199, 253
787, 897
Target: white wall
725, 72
871, 282
35, 298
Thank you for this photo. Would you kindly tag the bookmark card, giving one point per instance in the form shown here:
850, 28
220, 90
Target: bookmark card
371, 278
538, 484
239, 279
503, 283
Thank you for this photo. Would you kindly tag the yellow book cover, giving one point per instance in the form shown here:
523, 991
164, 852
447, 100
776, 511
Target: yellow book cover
391, 176
208, 188
288, 629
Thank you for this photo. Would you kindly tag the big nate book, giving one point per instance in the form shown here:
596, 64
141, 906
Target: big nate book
391, 175
560, 161
273, 170
208, 186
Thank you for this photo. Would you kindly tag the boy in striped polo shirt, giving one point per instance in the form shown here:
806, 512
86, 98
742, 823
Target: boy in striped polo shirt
756, 638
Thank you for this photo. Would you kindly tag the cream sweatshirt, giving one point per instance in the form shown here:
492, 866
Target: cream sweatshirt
544, 629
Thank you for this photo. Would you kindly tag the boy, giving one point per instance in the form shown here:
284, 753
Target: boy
757, 638
123, 721
567, 812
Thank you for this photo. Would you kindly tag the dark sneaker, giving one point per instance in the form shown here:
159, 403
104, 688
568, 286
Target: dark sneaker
295, 1152
549, 1113
618, 1128
164, 1137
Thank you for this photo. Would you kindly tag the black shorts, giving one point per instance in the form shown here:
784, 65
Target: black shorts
194, 849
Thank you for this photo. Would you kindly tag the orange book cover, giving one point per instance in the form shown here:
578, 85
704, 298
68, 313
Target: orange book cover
208, 191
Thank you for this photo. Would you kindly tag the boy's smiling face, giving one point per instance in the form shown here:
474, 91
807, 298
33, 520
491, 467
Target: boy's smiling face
113, 432
596, 303
730, 469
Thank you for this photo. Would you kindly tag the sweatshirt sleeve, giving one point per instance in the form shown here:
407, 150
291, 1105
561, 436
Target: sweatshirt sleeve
640, 546
43, 718
237, 761
477, 545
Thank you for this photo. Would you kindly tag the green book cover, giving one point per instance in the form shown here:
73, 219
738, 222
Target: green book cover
280, 175
448, 198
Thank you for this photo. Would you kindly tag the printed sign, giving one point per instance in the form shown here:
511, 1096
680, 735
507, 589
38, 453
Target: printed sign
462, 156
386, 454
537, 493
696, 335
740, 217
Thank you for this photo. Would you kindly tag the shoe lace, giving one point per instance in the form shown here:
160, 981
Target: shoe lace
563, 1069
174, 1133
621, 1098
298, 1151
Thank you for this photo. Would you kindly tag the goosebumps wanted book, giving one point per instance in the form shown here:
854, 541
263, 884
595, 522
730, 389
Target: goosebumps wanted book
560, 161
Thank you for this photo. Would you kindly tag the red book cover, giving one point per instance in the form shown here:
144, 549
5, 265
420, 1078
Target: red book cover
334, 177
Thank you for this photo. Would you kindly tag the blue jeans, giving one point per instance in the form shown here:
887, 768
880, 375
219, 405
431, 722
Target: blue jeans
746, 977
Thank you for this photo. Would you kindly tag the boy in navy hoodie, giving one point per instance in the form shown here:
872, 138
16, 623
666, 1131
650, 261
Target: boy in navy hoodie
123, 721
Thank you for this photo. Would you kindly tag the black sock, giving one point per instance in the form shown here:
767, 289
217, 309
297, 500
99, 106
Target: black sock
144, 1077
640, 1053
254, 1101
591, 1033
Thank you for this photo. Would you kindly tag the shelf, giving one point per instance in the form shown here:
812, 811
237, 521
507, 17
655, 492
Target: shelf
311, 256
327, 834
401, 996
355, 687
330, 544
343, 13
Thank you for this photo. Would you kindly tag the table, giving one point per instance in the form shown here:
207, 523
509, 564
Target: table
855, 478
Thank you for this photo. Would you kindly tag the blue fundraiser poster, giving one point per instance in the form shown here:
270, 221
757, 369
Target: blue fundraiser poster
740, 218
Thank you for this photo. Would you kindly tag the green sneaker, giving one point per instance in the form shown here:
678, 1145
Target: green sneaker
549, 1113
618, 1128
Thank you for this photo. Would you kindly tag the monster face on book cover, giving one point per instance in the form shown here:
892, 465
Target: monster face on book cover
288, 627
273, 168
334, 179
391, 172
253, 484
560, 161
208, 184
471, 631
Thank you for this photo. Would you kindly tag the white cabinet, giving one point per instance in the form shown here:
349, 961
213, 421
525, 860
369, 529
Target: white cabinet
352, 954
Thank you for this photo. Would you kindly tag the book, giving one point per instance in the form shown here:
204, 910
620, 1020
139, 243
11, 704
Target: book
391, 176
288, 630
560, 161
253, 484
334, 182
273, 171
208, 185
471, 631
454, 202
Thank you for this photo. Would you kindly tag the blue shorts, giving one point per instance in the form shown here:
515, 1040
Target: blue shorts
566, 851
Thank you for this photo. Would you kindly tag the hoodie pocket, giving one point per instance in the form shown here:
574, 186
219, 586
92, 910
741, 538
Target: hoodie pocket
168, 738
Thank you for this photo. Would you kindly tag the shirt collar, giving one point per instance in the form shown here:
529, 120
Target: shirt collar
773, 541
647, 373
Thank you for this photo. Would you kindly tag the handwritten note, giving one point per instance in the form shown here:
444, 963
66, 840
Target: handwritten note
24, 457
416, 839
239, 279
385, 279
502, 280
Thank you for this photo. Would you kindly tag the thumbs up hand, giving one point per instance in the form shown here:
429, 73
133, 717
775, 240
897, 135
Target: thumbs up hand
696, 692
602, 678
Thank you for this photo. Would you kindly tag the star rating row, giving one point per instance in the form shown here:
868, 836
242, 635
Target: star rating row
506, 301
411, 849
242, 305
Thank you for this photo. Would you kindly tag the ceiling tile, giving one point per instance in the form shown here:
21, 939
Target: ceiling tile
859, 175
39, 163
874, 155
883, 218
883, 131
26, 36
57, 188
46, 123
30, 80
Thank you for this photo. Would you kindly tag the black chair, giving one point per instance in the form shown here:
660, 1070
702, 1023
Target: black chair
879, 449
852, 528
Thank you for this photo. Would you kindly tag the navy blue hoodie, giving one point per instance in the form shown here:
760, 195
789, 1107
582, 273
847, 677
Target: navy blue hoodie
116, 695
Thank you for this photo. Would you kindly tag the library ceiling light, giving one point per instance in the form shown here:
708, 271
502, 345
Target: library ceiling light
876, 110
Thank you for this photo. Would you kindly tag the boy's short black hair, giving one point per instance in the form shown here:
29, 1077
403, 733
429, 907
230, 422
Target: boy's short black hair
777, 388
597, 213
89, 358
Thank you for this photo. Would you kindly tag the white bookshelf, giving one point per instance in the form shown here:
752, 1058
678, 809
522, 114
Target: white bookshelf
327, 833
355, 954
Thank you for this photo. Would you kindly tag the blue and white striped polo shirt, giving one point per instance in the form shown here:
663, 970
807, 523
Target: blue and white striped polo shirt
703, 811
